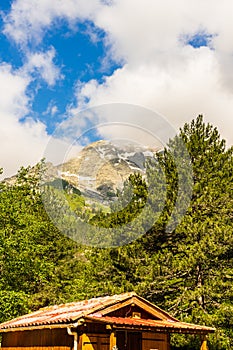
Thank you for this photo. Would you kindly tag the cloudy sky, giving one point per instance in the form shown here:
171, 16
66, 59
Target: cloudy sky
59, 57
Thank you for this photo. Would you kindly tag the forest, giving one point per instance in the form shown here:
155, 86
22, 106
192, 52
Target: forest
187, 269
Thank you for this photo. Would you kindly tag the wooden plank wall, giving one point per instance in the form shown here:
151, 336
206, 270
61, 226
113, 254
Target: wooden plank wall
95, 342
155, 341
57, 339
128, 310
37, 348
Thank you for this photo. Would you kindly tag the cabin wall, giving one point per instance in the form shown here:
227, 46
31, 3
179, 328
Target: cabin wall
51, 339
127, 311
94, 336
149, 341
94, 342
155, 341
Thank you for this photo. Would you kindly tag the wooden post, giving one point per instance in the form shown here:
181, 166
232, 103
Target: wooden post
168, 340
112, 340
204, 343
85, 339
80, 342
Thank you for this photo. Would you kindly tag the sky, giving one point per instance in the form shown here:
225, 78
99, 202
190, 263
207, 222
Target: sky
61, 57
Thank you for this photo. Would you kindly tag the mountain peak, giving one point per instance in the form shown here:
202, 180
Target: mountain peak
104, 165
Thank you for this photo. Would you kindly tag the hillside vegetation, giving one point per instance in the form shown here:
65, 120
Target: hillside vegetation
187, 270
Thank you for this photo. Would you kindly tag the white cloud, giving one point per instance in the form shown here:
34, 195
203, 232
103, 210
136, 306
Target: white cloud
29, 18
179, 92
163, 73
51, 110
160, 71
23, 139
12, 92
42, 63
21, 143
54, 110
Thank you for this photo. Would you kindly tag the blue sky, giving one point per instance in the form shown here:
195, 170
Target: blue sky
80, 58
60, 57
76, 65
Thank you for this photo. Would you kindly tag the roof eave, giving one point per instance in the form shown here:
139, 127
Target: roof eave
157, 328
36, 327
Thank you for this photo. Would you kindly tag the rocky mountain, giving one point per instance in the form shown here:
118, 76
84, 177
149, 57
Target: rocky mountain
103, 167
100, 169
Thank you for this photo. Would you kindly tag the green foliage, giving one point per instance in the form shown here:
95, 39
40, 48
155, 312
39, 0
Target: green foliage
62, 184
183, 263
12, 304
190, 269
30, 246
130, 203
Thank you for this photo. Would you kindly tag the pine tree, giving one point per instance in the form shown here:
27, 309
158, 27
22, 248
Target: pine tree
191, 267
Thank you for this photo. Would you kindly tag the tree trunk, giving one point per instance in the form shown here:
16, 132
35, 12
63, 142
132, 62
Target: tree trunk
200, 298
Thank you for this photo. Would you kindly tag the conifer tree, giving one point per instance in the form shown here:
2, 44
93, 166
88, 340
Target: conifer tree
191, 268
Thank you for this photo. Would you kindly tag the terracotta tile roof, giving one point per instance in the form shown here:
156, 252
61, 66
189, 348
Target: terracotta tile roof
94, 310
64, 313
153, 324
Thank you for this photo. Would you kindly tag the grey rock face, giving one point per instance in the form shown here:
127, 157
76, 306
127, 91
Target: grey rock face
101, 168
104, 165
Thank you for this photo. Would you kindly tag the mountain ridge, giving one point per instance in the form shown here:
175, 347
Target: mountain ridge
100, 168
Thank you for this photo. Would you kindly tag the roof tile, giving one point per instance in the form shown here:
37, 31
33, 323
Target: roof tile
64, 313
91, 310
139, 322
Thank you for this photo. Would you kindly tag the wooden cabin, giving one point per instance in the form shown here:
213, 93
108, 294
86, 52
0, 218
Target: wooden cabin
124, 322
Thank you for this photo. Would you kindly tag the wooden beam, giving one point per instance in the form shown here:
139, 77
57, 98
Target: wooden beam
31, 328
80, 342
86, 340
113, 341
150, 308
115, 307
153, 310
